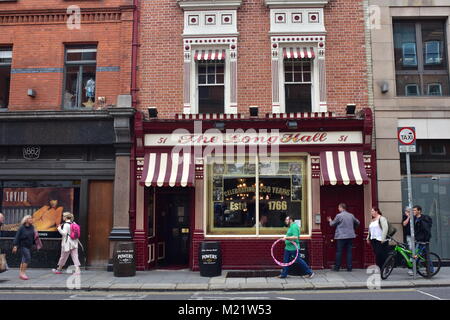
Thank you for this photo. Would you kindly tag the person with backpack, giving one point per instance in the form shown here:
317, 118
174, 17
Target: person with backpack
422, 230
378, 234
70, 232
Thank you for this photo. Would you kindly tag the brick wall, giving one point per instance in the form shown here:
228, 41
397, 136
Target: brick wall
39, 39
161, 56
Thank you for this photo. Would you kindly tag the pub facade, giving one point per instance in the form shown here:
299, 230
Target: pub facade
260, 110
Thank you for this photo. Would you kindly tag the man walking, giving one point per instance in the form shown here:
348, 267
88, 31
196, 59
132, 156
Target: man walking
293, 234
345, 224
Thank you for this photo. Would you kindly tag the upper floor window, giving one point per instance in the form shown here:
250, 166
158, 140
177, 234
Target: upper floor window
211, 86
79, 73
297, 85
5, 75
420, 58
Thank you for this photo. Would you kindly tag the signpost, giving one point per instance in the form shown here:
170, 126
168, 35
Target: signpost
407, 144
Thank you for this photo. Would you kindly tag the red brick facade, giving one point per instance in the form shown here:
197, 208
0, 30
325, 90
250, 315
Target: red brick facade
160, 85
161, 56
38, 34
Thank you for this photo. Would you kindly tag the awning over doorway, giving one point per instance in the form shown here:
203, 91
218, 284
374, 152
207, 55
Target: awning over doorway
164, 169
342, 167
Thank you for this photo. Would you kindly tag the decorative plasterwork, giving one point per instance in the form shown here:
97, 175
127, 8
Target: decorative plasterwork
217, 22
294, 21
295, 3
209, 4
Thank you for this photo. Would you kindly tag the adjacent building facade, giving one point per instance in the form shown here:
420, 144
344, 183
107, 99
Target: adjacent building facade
245, 117
65, 110
411, 88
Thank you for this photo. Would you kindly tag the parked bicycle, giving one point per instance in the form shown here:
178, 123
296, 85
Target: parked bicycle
402, 251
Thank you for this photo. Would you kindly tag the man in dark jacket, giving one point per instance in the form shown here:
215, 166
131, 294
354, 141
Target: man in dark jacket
345, 224
422, 231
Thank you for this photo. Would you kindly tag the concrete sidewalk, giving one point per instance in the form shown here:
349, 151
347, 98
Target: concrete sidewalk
185, 280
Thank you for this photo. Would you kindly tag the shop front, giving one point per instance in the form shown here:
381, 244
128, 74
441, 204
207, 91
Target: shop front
234, 180
55, 162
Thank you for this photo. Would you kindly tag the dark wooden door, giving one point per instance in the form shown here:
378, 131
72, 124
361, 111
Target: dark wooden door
173, 228
100, 217
330, 197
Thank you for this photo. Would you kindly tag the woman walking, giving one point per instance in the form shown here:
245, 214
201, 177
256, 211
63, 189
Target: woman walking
378, 230
24, 240
69, 246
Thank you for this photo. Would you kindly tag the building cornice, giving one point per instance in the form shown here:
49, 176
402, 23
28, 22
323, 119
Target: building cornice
295, 3
209, 4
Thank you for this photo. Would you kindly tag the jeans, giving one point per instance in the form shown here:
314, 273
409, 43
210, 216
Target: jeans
288, 256
422, 250
380, 249
340, 246
26, 254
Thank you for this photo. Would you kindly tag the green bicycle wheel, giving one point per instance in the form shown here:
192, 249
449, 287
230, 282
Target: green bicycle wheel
388, 266
435, 266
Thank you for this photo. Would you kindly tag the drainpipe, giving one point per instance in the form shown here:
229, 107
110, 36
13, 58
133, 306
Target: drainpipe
134, 91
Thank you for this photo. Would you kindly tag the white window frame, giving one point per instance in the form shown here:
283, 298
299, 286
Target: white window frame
194, 109
434, 84
315, 106
439, 58
412, 85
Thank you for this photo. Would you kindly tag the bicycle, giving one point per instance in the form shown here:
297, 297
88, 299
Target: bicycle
402, 250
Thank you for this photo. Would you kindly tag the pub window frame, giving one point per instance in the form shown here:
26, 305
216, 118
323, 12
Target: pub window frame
310, 83
418, 69
80, 64
208, 217
199, 85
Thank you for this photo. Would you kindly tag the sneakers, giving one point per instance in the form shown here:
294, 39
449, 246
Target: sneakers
281, 277
56, 271
309, 276
410, 272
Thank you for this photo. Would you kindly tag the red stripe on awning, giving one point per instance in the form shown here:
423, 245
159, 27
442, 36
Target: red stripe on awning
299, 53
209, 55
163, 169
342, 167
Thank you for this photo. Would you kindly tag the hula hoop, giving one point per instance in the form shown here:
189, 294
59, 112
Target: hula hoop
282, 264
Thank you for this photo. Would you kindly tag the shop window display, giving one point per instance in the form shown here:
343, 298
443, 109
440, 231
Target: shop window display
242, 202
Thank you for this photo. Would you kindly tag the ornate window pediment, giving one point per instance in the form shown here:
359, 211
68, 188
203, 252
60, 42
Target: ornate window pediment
295, 3
209, 4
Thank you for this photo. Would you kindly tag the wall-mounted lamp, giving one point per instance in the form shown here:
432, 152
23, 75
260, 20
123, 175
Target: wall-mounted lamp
253, 111
350, 109
291, 124
31, 93
384, 87
152, 112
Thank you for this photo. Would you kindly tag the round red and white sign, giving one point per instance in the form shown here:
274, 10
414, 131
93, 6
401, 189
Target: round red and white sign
406, 135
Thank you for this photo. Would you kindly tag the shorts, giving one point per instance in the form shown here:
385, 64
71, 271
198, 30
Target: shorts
26, 255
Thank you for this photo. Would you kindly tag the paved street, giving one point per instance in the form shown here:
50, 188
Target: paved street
439, 293
186, 280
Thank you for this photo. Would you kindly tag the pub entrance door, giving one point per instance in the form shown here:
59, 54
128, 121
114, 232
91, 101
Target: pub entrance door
353, 197
173, 227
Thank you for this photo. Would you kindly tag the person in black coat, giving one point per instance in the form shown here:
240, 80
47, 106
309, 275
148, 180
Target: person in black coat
24, 240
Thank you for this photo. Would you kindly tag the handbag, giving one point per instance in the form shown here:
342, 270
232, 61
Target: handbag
3, 264
37, 240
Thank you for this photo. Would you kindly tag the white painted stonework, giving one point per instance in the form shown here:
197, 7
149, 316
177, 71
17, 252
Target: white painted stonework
428, 128
211, 22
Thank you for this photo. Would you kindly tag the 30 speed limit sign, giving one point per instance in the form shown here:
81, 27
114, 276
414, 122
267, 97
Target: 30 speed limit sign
406, 139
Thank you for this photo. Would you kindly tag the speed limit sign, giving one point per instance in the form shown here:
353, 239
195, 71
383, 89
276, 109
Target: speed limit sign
406, 139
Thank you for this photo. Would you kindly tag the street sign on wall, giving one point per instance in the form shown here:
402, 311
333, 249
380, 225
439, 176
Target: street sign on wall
406, 137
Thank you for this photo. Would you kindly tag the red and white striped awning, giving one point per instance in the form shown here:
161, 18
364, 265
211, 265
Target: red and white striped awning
342, 167
168, 170
204, 55
298, 53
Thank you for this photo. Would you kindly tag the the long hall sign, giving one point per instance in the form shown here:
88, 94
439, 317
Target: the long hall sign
251, 138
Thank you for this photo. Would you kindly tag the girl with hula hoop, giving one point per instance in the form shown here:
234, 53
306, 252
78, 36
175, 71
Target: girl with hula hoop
291, 250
